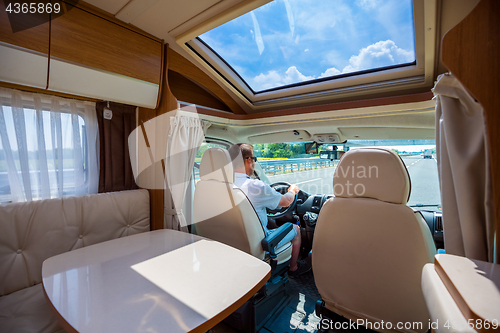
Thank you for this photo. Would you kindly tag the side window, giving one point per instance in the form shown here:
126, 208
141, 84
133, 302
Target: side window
43, 153
203, 148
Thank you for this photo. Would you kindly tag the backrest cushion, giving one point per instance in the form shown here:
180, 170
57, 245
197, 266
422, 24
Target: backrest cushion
223, 213
34, 231
216, 165
376, 173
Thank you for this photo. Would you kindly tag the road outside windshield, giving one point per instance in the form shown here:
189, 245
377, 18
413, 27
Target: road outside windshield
288, 162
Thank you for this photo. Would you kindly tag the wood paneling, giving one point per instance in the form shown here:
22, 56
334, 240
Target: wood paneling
325, 107
86, 39
188, 91
167, 103
155, 196
471, 51
108, 16
35, 38
183, 66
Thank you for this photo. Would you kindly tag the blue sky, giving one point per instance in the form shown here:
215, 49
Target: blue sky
290, 41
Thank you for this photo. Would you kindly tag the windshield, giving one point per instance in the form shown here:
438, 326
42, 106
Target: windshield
289, 162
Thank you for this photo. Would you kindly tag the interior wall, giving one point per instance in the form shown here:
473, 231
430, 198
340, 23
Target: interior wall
189, 91
471, 51
167, 103
183, 66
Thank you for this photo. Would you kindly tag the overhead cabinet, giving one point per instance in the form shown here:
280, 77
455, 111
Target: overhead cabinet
94, 57
89, 56
24, 55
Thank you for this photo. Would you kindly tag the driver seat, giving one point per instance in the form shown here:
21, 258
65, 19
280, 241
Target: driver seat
222, 212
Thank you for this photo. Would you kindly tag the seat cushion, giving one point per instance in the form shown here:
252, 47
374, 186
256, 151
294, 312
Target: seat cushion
37, 230
27, 311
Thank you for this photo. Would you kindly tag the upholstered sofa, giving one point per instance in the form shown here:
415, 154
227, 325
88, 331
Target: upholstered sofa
31, 232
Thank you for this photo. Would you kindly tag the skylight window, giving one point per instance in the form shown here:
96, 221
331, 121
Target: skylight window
292, 42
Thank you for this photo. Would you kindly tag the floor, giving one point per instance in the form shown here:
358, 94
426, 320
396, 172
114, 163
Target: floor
296, 314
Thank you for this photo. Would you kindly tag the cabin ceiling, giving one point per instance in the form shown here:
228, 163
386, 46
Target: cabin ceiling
169, 19
164, 19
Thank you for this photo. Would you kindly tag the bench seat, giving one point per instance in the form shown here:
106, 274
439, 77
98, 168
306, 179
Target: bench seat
32, 232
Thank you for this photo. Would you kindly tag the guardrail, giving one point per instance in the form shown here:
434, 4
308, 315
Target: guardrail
295, 164
290, 165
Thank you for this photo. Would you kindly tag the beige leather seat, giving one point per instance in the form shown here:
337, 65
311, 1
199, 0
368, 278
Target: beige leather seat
222, 211
369, 247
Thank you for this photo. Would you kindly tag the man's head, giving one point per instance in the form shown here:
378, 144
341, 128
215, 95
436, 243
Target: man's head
243, 158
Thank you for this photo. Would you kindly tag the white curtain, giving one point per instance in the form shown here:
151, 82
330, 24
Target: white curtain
48, 147
185, 137
464, 172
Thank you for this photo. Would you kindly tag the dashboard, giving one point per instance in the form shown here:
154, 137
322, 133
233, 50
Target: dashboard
309, 206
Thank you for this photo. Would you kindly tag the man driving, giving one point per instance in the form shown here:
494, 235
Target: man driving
262, 196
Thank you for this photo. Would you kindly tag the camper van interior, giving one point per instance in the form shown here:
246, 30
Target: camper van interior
125, 205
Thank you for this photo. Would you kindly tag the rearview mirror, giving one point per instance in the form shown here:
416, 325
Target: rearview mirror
331, 155
311, 147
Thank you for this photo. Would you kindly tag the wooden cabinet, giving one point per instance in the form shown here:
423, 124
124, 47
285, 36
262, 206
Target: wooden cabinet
34, 39
83, 53
83, 38
24, 53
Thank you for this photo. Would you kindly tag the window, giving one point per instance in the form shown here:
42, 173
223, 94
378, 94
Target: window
290, 51
47, 147
288, 42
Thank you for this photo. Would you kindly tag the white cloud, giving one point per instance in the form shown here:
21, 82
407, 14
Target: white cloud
293, 75
367, 4
330, 72
274, 79
380, 54
324, 21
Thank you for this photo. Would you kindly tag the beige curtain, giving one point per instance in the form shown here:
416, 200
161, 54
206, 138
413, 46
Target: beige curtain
464, 172
184, 139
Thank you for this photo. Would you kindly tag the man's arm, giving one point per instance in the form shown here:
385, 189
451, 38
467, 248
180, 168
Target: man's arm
288, 197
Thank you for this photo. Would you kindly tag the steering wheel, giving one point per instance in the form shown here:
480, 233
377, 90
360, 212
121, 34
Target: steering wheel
281, 187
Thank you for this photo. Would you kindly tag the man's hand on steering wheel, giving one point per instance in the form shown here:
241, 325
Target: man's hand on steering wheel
293, 188
288, 200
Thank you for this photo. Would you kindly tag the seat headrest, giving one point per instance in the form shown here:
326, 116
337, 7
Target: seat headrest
216, 165
376, 173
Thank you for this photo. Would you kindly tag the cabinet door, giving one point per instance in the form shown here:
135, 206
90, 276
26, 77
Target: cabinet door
83, 38
24, 53
35, 38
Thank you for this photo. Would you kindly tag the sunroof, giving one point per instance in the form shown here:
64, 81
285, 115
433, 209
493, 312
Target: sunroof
287, 42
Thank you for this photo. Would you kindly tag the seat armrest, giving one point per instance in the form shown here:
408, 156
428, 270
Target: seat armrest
271, 241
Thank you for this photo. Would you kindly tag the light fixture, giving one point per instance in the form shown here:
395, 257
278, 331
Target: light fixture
107, 113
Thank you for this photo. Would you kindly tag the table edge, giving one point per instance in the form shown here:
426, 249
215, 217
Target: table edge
226, 312
65, 325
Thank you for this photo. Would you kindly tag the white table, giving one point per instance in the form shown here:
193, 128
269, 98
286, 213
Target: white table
160, 281
461, 294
